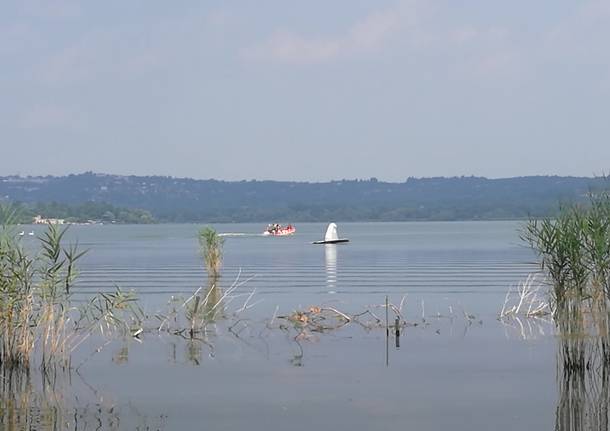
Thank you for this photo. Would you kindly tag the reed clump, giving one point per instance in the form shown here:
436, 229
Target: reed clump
37, 315
211, 244
34, 295
574, 251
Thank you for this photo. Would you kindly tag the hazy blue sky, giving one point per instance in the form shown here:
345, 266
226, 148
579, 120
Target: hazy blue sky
305, 90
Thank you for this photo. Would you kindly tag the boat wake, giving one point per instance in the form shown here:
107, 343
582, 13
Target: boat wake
234, 234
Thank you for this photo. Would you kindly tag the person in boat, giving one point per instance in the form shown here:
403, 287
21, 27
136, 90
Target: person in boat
273, 228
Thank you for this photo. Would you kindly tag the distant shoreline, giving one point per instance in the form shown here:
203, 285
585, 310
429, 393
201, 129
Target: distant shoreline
155, 199
264, 223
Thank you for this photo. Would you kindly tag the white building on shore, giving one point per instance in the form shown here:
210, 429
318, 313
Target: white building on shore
40, 220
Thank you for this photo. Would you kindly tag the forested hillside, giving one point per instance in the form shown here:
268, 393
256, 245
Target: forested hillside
181, 199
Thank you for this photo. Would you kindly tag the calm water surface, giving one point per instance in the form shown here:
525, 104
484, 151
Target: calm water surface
449, 373
473, 263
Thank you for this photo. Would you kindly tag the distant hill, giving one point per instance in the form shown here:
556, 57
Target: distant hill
184, 200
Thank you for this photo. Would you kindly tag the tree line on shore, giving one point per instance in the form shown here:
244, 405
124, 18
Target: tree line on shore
144, 199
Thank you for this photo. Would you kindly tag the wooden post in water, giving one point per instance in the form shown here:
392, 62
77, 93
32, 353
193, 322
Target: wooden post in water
397, 331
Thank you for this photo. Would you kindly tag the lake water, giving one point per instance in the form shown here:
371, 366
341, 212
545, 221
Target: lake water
473, 263
450, 371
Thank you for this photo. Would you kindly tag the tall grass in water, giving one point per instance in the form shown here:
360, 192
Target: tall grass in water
211, 249
37, 317
202, 309
34, 297
574, 251
209, 307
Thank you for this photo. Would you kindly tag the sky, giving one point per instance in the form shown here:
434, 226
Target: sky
309, 91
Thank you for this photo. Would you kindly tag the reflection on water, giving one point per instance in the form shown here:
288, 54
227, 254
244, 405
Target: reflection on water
330, 260
121, 356
64, 400
193, 351
584, 393
583, 360
214, 304
527, 328
583, 401
50, 400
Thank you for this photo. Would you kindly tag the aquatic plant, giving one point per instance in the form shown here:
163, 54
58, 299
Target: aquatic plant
200, 310
211, 249
191, 317
37, 315
530, 299
574, 251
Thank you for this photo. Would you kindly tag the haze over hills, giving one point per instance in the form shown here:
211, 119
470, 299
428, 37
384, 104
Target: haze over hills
170, 199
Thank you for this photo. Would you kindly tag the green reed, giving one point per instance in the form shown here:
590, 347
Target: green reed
37, 315
211, 249
574, 251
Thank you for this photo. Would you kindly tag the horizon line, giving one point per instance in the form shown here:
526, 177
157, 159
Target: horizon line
369, 179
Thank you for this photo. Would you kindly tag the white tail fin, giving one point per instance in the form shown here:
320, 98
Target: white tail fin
331, 233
